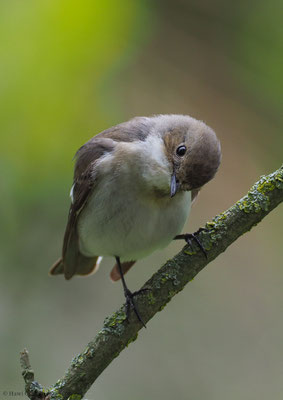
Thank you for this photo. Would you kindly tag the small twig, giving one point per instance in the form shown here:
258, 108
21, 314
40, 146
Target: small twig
27, 372
33, 389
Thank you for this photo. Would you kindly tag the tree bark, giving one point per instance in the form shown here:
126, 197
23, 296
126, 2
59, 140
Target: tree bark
118, 332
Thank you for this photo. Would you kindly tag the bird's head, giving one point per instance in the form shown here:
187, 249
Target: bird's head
193, 151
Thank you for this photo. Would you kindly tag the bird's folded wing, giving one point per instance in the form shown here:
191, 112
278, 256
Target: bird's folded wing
85, 180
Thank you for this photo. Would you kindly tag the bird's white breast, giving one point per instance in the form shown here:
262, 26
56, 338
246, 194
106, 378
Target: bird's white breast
130, 213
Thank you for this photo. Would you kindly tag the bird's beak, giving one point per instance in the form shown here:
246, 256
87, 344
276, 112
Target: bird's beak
174, 186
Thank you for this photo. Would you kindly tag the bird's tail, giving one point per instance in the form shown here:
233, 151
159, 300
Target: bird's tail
86, 266
57, 268
115, 274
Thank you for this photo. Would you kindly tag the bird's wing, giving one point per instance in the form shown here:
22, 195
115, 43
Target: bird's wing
84, 182
72, 261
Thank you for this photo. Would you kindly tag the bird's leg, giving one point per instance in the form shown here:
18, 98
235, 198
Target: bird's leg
188, 237
129, 295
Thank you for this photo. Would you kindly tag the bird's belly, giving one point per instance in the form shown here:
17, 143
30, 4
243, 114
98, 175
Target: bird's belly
128, 227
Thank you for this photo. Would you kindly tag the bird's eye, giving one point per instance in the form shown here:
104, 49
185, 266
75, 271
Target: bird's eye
181, 150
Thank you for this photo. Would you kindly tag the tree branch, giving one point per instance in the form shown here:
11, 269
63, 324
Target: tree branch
117, 332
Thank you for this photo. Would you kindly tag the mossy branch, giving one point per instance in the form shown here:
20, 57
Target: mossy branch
117, 332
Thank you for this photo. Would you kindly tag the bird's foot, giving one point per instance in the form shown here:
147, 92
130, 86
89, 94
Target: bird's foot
189, 237
130, 303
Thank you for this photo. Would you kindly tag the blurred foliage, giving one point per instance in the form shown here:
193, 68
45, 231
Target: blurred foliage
260, 51
248, 35
55, 57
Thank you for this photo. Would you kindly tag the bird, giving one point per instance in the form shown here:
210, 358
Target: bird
132, 192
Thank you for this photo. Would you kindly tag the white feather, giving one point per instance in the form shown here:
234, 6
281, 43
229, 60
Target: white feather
72, 194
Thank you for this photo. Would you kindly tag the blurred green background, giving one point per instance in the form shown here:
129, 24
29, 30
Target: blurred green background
69, 69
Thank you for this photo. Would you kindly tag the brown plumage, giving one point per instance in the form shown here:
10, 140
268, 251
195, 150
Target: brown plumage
192, 171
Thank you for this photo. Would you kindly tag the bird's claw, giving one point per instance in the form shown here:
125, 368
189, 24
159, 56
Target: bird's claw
130, 304
188, 237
